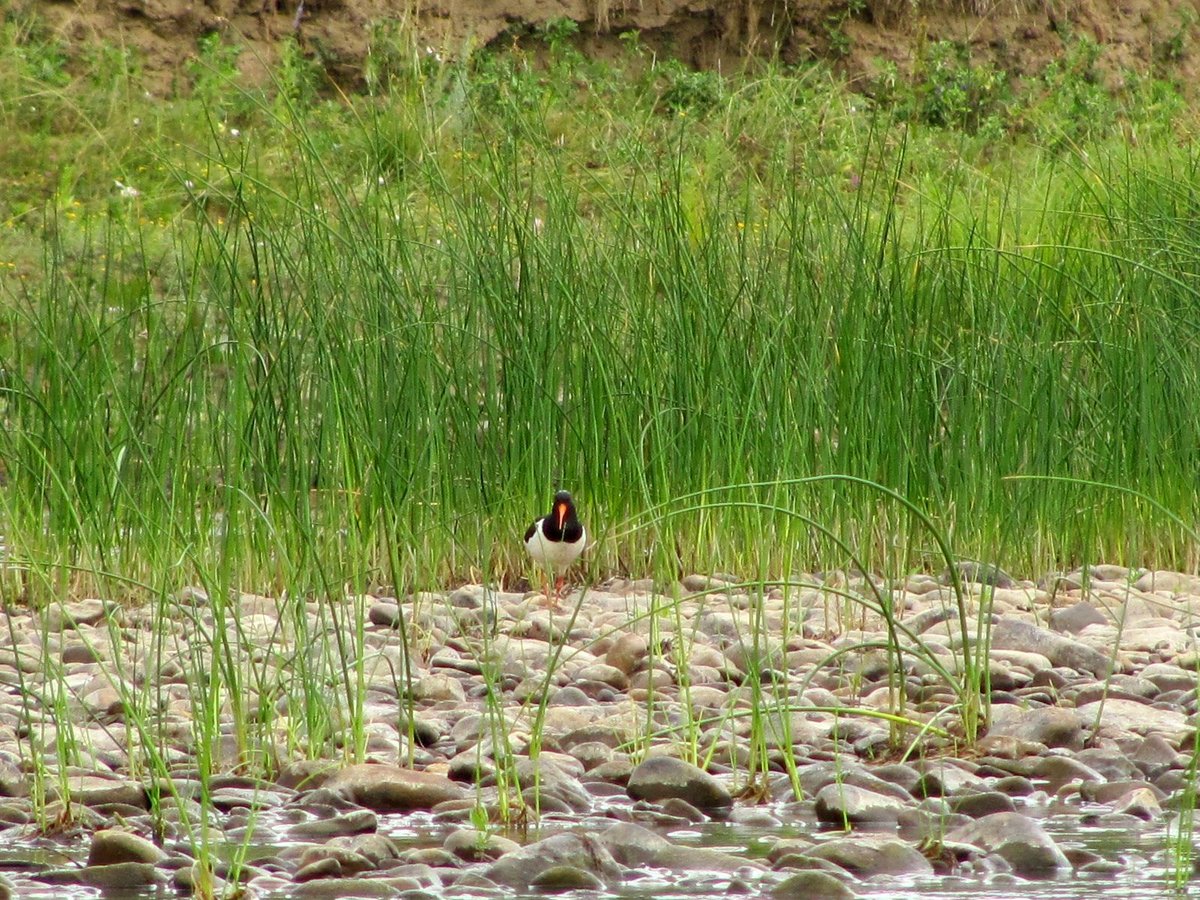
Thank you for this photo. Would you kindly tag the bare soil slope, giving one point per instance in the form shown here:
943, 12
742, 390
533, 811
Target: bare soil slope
1019, 36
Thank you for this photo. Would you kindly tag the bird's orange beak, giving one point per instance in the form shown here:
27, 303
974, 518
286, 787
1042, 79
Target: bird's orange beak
562, 514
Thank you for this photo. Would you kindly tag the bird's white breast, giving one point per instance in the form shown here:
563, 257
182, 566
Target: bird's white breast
555, 555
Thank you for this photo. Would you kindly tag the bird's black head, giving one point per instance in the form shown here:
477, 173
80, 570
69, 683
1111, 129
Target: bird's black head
562, 523
563, 509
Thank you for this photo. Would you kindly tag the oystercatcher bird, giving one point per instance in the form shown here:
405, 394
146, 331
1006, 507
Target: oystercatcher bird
556, 540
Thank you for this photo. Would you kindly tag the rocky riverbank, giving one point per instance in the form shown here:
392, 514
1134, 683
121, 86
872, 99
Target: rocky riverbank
592, 735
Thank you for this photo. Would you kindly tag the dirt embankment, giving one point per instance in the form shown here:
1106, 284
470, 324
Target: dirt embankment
1019, 36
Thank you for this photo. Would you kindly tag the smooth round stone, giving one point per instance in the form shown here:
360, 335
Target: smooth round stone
1074, 619
63, 616
355, 821
79, 652
1020, 841
591, 754
566, 878
753, 817
472, 845
338, 888
387, 788
96, 790
582, 851
605, 674
438, 687
114, 877
839, 804
982, 804
570, 696
113, 846
1014, 785
809, 884
869, 855
660, 777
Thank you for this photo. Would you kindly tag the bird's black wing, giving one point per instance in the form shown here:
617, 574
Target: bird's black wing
530, 530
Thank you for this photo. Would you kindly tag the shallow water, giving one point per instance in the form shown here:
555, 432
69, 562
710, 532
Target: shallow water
1142, 855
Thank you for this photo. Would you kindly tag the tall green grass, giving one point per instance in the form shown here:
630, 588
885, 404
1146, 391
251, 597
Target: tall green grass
359, 342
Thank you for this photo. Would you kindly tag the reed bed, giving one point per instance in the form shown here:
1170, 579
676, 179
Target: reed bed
358, 341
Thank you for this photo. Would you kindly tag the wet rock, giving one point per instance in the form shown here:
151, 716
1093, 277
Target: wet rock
341, 888
1061, 770
682, 859
354, 821
382, 851
660, 777
632, 845
196, 880
580, 851
1155, 755
557, 879
1142, 803
847, 803
435, 858
681, 809
112, 846
811, 884
1112, 791
816, 776
616, 771
1050, 726
903, 776
1017, 839
386, 788
753, 817
1014, 785
331, 860
981, 804
473, 845
306, 773
868, 855
551, 780
943, 778
1110, 762
114, 877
